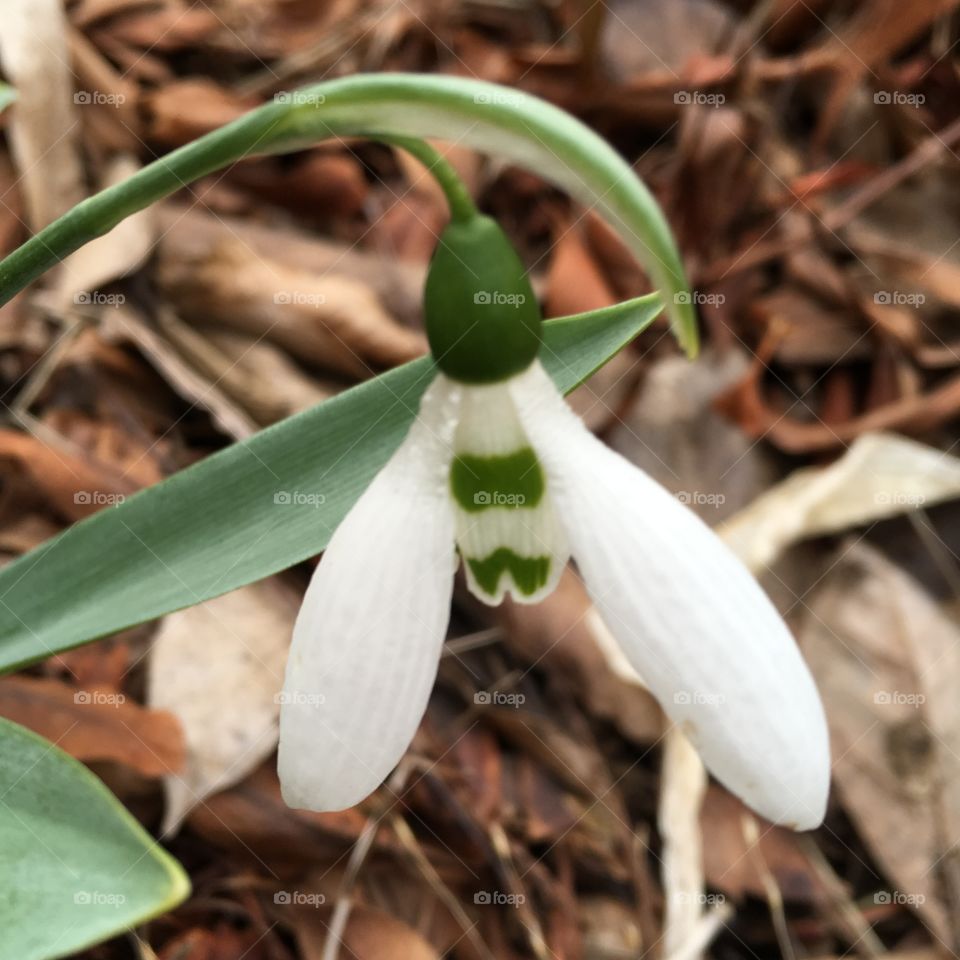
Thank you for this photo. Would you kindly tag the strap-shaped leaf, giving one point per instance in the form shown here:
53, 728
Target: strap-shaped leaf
250, 510
75, 867
491, 118
7, 96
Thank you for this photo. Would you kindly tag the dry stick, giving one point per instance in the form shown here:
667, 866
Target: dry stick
751, 836
840, 216
45, 368
851, 921
143, 949
472, 641
344, 904
881, 184
443, 892
530, 921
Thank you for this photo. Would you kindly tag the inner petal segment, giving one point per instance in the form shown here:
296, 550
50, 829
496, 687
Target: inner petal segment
506, 525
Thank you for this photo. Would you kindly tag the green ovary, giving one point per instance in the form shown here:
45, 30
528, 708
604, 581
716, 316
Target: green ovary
514, 480
529, 574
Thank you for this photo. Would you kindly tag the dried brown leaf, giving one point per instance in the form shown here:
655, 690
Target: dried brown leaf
330, 321
95, 724
886, 659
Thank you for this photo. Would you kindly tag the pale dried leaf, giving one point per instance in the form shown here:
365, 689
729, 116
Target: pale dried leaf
218, 668
881, 475
674, 434
886, 659
43, 127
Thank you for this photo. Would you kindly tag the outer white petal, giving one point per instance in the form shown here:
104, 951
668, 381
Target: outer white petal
367, 641
690, 617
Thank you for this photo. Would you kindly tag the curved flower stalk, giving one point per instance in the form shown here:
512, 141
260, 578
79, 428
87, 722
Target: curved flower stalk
497, 466
491, 118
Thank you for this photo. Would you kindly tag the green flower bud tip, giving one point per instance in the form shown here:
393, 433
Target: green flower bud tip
483, 320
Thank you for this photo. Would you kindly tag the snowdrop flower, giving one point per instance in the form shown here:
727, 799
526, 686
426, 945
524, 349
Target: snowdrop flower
498, 471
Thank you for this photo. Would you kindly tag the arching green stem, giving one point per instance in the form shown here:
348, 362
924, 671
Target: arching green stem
509, 124
462, 207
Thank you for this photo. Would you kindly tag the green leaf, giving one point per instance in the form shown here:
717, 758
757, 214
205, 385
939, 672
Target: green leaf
75, 867
249, 510
499, 120
8, 95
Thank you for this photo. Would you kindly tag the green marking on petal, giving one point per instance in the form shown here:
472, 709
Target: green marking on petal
529, 574
513, 480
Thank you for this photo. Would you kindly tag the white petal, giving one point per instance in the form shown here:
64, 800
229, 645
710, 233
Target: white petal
367, 642
506, 526
533, 534
688, 615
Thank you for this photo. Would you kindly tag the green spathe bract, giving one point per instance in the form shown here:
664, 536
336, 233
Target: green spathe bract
239, 516
482, 318
75, 867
